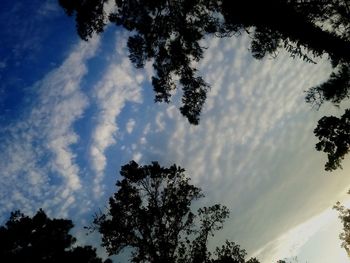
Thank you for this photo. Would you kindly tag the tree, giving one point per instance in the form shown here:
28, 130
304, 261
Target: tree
168, 33
41, 240
151, 214
344, 215
231, 253
334, 136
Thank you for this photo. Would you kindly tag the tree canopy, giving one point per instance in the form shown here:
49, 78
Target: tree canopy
41, 240
344, 215
151, 214
168, 33
334, 136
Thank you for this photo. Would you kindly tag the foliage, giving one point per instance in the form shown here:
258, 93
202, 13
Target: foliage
168, 33
230, 253
344, 215
41, 240
334, 136
151, 214
335, 89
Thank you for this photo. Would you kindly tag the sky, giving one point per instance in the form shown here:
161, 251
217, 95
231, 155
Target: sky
72, 112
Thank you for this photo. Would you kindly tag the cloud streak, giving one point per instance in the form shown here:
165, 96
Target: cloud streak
38, 165
120, 84
291, 244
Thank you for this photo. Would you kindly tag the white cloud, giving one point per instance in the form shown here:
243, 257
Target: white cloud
36, 151
62, 96
130, 125
137, 157
254, 148
160, 123
120, 84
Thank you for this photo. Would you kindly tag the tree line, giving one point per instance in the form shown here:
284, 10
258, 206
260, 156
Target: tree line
150, 213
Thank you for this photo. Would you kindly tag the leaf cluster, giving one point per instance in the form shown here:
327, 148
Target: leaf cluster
344, 215
334, 136
41, 240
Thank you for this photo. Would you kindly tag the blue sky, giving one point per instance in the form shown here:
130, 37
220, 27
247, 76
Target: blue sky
73, 112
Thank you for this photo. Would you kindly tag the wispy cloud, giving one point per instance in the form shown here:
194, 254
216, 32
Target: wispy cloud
120, 84
38, 165
130, 125
2, 65
49, 8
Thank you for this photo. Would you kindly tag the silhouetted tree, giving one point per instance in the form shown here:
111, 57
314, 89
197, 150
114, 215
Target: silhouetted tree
151, 214
41, 240
334, 136
344, 215
231, 253
168, 32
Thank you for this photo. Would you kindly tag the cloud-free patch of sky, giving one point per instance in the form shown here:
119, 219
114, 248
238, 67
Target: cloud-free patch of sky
79, 110
33, 39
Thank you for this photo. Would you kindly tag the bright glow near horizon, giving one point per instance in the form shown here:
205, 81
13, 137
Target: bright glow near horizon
73, 112
317, 239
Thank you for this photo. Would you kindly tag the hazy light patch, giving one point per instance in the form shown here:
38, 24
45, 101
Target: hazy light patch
2, 65
292, 244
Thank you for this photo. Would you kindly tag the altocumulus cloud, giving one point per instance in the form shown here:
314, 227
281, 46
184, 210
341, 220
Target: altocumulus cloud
38, 166
120, 84
254, 148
